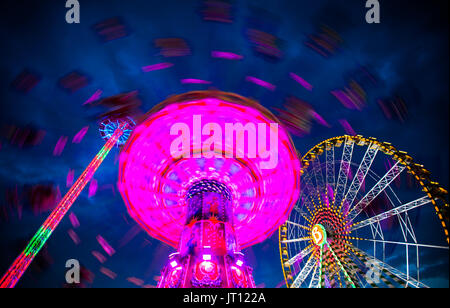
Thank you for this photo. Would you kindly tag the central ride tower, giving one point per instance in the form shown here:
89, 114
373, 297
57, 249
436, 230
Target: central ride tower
215, 197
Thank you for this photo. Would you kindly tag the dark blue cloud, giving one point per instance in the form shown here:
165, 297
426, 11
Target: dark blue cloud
408, 52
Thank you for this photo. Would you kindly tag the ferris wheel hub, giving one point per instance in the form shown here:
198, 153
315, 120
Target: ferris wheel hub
319, 235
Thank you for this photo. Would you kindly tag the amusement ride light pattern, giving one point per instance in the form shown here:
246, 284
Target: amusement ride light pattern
18, 268
262, 198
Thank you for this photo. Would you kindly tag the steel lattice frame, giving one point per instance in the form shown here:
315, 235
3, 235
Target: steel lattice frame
340, 262
23, 261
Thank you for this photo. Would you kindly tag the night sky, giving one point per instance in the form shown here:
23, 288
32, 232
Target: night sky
407, 53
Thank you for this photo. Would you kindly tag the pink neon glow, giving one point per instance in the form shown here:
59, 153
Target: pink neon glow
80, 135
344, 99
136, 281
261, 83
155, 67
74, 220
207, 266
129, 236
347, 127
301, 81
92, 188
108, 272
226, 55
106, 247
94, 97
319, 119
194, 81
69, 179
59, 147
153, 184
101, 258
74, 236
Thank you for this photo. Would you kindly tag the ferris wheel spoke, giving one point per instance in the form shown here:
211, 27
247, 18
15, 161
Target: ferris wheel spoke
327, 269
378, 188
404, 243
314, 275
319, 179
384, 267
343, 171
304, 203
310, 193
329, 167
298, 225
314, 282
360, 176
395, 211
320, 274
301, 255
304, 273
310, 204
295, 240
299, 233
303, 214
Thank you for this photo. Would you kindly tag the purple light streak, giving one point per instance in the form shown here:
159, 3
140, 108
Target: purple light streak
194, 81
319, 119
93, 188
348, 129
106, 247
301, 81
70, 176
60, 146
74, 220
261, 83
343, 98
94, 97
155, 67
226, 55
80, 135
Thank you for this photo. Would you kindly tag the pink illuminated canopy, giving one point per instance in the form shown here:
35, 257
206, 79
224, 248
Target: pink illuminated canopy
153, 182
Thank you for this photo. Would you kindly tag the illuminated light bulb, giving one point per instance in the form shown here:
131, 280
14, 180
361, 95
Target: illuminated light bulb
206, 257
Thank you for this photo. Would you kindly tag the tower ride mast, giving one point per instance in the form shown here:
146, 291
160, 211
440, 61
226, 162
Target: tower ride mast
20, 265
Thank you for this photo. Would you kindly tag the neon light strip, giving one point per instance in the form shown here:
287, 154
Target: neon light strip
18, 268
342, 268
320, 266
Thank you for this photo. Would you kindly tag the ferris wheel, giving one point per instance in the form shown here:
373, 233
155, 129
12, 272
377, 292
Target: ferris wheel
367, 216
